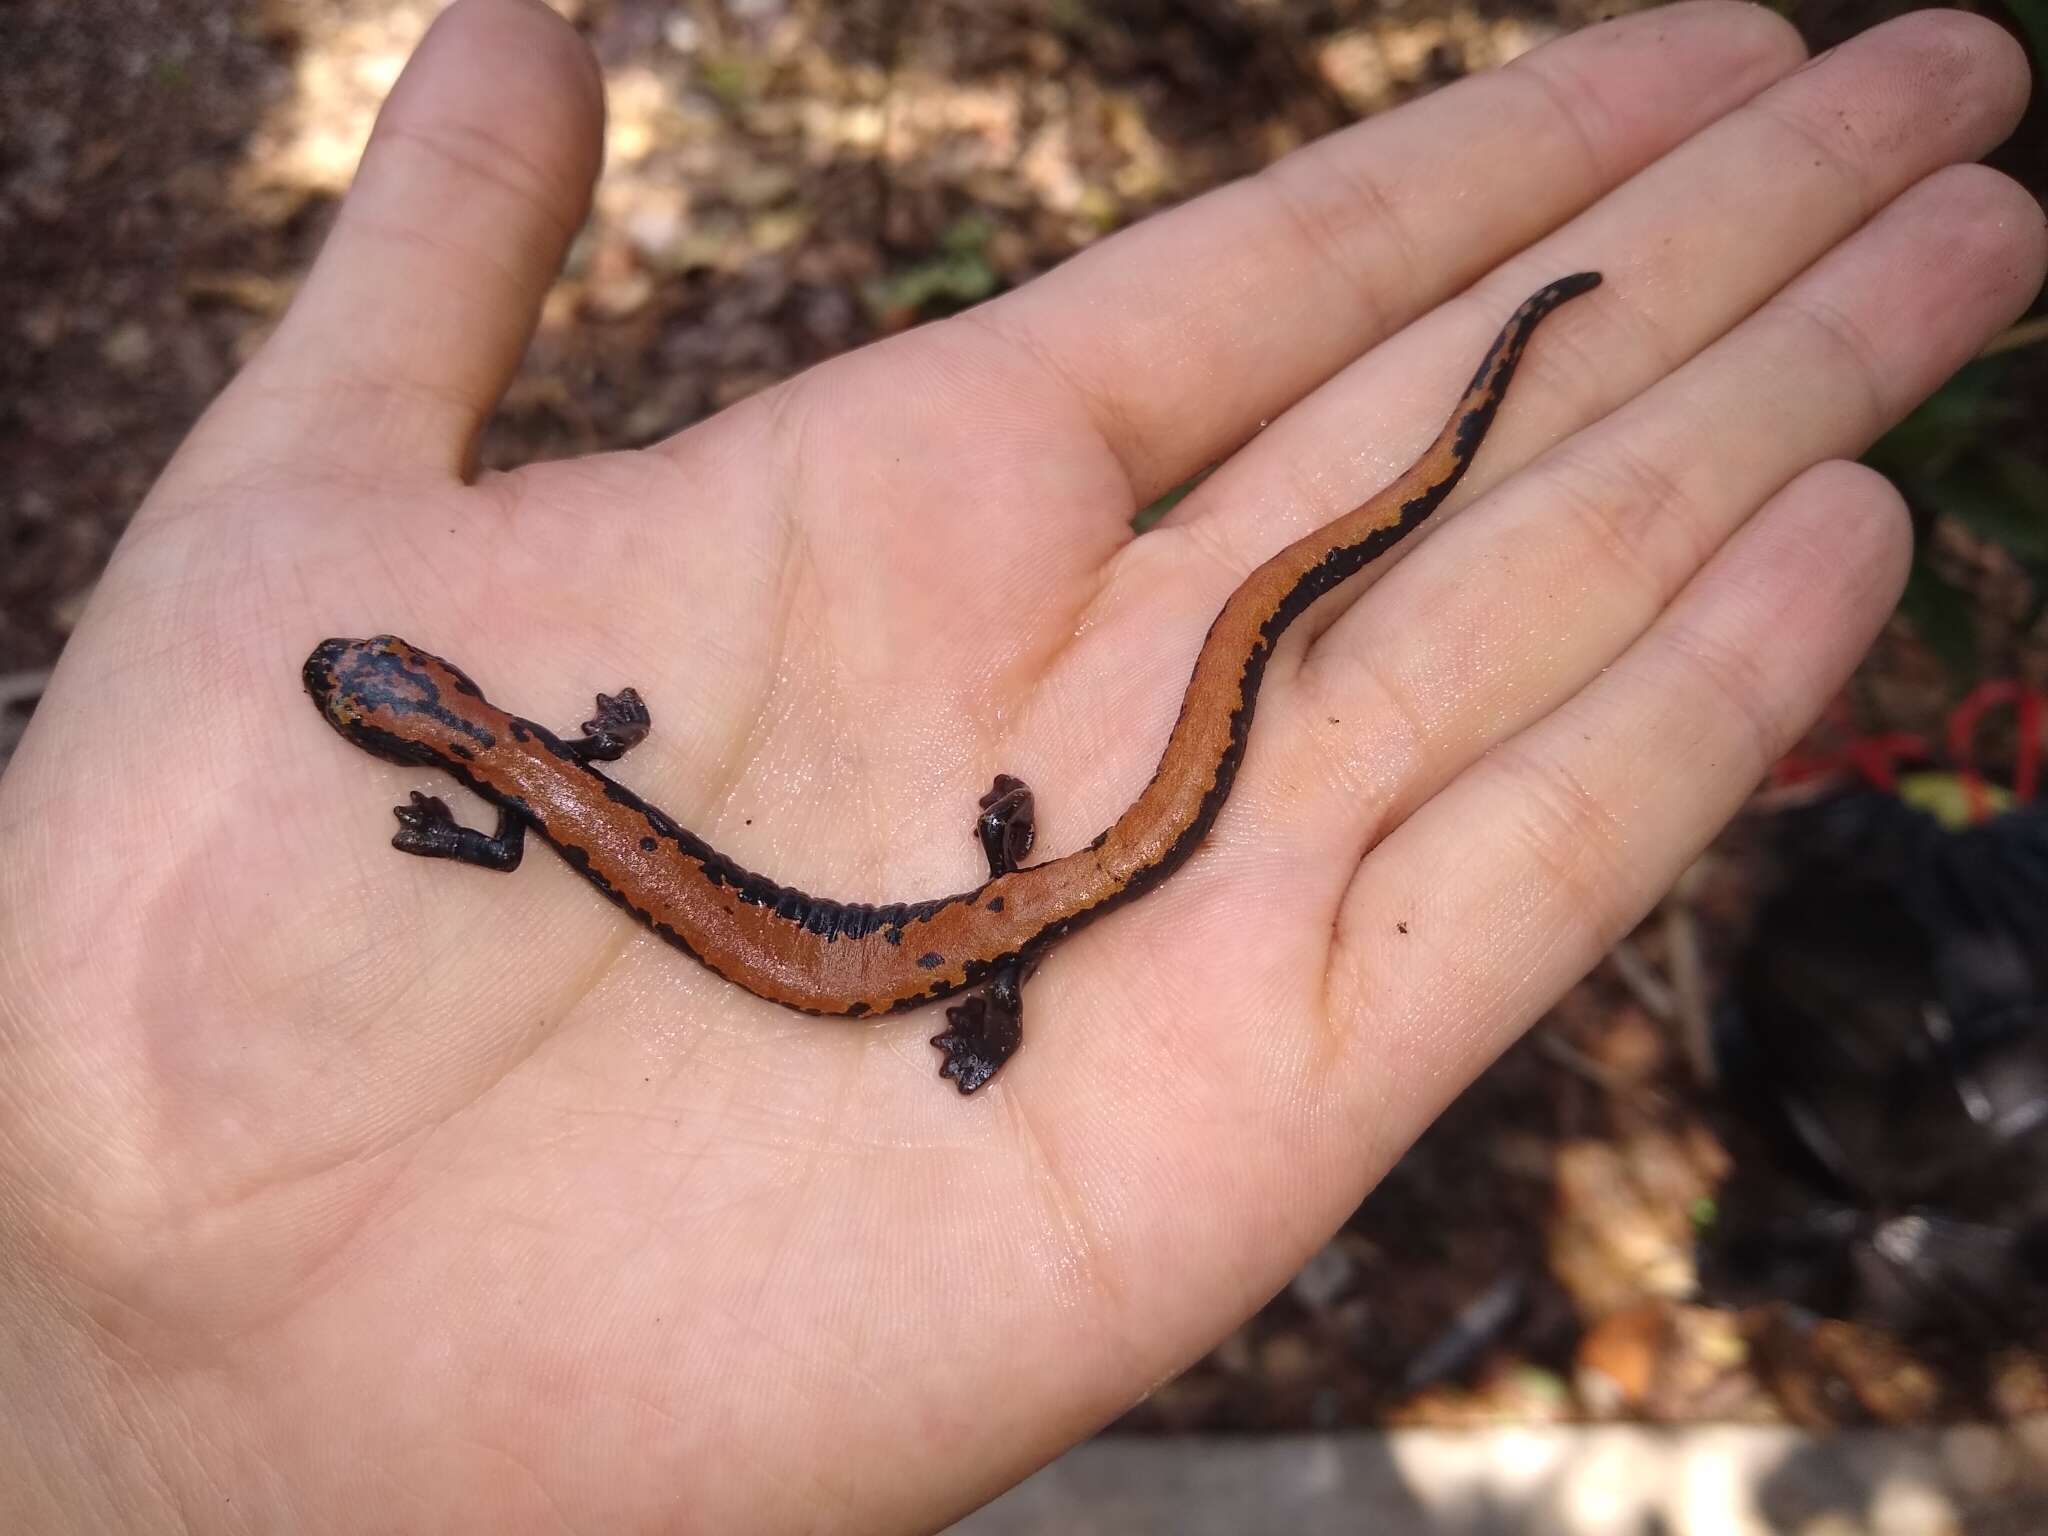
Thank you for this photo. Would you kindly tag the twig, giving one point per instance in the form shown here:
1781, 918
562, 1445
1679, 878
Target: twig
1573, 1060
1641, 978
1689, 975
22, 687
2026, 334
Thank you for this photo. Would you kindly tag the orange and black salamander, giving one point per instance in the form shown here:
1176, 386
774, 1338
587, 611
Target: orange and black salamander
847, 958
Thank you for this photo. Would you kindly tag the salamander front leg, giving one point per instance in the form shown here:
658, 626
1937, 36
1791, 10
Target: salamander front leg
620, 724
984, 1030
1007, 824
428, 828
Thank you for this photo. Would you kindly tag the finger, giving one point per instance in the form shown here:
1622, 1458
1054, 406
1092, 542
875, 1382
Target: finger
1176, 338
1689, 247
1925, 90
416, 313
1504, 889
1519, 604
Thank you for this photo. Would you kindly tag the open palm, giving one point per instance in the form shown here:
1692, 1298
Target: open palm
352, 1191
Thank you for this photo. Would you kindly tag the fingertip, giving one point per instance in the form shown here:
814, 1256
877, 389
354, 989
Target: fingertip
1994, 227
1853, 528
1975, 66
1971, 55
523, 73
477, 175
1745, 42
489, 144
1740, 26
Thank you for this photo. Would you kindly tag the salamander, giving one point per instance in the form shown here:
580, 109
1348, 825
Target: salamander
849, 958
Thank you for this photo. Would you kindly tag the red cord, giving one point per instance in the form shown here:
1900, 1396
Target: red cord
1875, 758
2031, 705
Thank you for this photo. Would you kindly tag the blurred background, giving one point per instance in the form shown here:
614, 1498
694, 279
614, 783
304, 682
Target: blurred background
1782, 1159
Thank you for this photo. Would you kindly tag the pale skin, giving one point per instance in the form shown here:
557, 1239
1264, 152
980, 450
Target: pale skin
348, 1191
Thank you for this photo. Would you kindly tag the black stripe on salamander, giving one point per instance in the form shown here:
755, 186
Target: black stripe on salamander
819, 915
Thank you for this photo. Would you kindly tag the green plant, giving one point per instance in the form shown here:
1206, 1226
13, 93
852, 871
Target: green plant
2032, 16
959, 275
1967, 454
730, 78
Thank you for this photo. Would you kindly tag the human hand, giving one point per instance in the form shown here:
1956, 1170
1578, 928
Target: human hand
346, 1189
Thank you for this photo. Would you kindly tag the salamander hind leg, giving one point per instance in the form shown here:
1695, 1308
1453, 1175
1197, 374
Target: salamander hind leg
1007, 824
620, 724
983, 1031
428, 828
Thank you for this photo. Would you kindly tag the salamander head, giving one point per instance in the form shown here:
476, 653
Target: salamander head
398, 701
